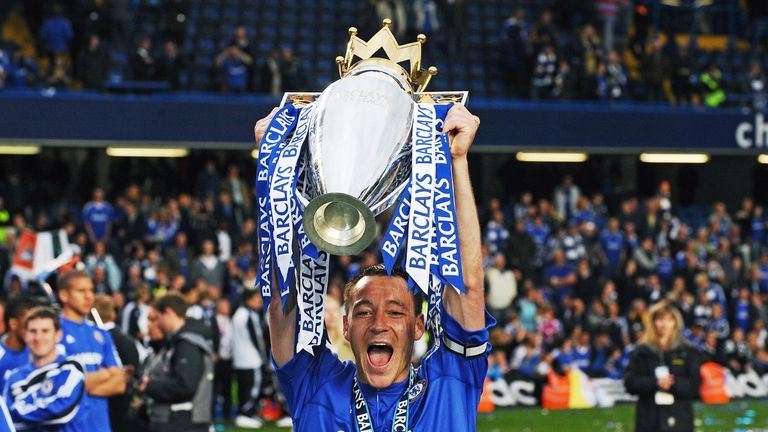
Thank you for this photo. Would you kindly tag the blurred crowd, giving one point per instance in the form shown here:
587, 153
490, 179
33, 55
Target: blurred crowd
608, 50
77, 45
614, 53
571, 282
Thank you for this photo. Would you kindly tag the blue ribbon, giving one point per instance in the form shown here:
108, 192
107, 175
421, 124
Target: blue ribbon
283, 182
279, 128
395, 236
449, 253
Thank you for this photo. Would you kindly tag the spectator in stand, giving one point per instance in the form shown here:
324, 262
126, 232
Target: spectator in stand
516, 51
683, 75
496, 234
293, 78
527, 356
22, 70
646, 257
544, 32
238, 190
93, 63
242, 40
142, 63
502, 288
100, 258
614, 249
612, 79
721, 219
135, 315
426, 18
566, 196
754, 85
521, 249
560, 277
528, 307
233, 65
61, 73
170, 65
56, 34
582, 351
98, 215
208, 266
565, 82
179, 257
544, 71
270, 74
207, 183
712, 86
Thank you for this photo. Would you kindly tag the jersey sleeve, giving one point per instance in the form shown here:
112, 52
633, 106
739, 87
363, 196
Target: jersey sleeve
469, 368
47, 397
302, 376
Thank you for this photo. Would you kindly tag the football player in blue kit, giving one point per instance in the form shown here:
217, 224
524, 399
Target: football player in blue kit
381, 391
91, 346
45, 393
13, 350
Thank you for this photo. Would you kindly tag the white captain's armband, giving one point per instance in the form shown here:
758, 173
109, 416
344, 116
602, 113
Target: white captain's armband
467, 351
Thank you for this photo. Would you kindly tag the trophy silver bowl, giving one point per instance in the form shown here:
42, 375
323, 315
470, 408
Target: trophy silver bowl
358, 156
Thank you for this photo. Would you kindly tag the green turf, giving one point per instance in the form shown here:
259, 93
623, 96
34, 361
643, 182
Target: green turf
736, 416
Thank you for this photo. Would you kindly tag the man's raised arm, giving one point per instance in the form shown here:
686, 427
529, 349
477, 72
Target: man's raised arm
282, 324
468, 309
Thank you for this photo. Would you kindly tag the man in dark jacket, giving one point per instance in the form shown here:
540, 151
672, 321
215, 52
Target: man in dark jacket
179, 380
93, 63
521, 250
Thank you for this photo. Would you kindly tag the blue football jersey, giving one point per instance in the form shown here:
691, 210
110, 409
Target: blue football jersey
9, 360
444, 397
47, 398
6, 424
94, 349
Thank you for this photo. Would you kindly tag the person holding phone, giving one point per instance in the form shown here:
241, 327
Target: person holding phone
664, 372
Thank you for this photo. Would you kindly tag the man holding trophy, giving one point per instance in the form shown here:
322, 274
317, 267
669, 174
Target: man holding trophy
374, 139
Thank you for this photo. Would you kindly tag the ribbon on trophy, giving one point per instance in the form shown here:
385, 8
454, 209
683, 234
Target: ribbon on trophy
418, 258
281, 163
282, 203
426, 216
280, 127
311, 282
396, 232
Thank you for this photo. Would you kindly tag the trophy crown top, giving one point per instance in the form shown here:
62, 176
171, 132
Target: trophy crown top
384, 39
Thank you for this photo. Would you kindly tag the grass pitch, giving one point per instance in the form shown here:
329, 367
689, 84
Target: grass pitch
736, 416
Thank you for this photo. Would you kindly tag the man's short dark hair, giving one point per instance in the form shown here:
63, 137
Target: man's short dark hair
17, 305
248, 294
380, 270
174, 302
64, 282
43, 312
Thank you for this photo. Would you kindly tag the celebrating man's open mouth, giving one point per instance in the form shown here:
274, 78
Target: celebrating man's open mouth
379, 354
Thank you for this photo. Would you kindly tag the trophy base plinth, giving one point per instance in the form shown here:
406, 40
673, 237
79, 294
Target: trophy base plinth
339, 224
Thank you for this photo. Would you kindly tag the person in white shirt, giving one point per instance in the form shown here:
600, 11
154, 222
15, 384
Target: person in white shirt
502, 289
223, 374
249, 353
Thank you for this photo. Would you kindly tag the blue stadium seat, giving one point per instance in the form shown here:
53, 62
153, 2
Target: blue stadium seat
203, 61
205, 46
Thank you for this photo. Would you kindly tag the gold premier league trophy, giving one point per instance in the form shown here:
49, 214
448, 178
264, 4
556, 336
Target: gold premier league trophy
330, 162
